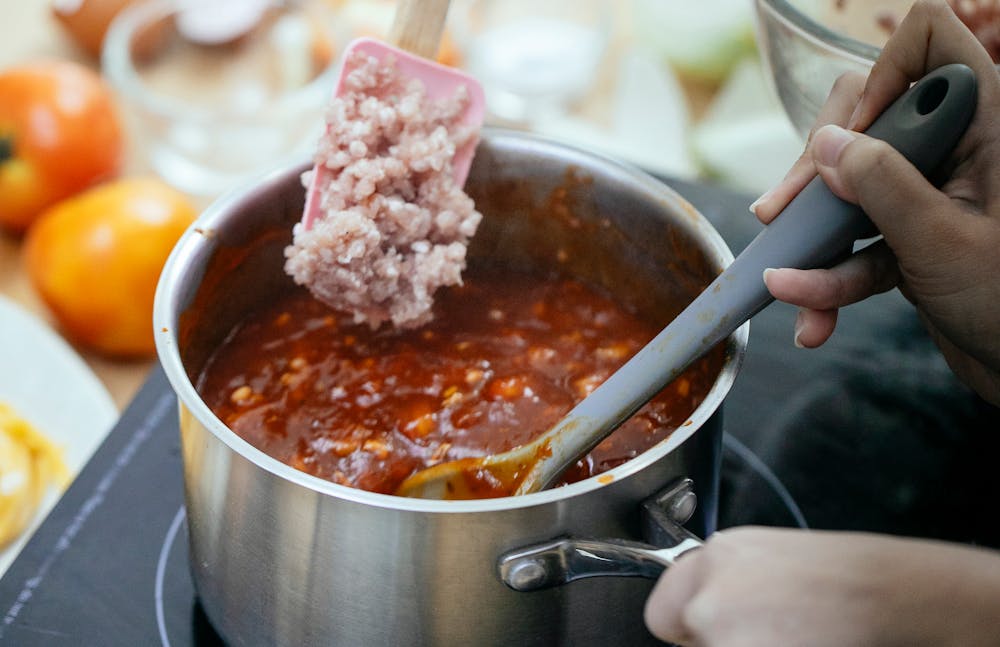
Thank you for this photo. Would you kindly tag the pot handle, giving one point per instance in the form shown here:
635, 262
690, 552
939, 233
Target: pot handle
564, 560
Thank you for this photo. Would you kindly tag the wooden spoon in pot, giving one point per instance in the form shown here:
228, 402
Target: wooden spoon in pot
815, 230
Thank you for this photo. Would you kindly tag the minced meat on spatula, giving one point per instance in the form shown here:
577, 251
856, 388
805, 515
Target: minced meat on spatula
395, 225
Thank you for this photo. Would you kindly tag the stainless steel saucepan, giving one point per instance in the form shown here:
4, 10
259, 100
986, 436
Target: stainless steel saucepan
280, 557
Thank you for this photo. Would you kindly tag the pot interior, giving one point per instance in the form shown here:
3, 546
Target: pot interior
546, 208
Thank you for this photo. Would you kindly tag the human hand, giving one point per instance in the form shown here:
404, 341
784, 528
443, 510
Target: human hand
751, 587
941, 247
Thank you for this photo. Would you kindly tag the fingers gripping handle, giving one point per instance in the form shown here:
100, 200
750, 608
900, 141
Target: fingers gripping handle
926, 123
817, 228
923, 125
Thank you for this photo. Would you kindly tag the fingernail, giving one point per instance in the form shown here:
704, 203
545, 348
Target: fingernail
800, 323
828, 143
761, 200
767, 271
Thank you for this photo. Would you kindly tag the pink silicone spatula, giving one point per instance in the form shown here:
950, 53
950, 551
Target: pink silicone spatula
415, 37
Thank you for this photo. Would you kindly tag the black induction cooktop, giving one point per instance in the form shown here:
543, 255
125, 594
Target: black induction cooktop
871, 432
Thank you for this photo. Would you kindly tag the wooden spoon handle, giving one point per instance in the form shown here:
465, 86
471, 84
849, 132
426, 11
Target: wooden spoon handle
418, 25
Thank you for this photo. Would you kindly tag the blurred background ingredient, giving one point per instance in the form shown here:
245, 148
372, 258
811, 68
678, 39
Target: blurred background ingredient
86, 21
95, 259
703, 40
30, 465
59, 133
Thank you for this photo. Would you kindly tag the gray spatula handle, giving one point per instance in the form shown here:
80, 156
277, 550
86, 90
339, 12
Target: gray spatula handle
817, 228
814, 230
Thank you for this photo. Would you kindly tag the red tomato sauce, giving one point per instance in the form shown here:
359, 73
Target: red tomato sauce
505, 357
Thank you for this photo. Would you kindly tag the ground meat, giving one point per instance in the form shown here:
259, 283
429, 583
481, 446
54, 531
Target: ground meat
395, 225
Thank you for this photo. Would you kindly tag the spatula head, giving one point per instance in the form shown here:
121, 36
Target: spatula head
440, 81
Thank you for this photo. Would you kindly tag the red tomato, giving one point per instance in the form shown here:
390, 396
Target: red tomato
59, 133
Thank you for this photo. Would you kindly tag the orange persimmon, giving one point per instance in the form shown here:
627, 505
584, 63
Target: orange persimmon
95, 259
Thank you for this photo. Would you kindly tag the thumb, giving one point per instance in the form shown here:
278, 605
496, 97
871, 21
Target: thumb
915, 218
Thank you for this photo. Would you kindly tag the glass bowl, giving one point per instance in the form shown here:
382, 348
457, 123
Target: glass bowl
218, 92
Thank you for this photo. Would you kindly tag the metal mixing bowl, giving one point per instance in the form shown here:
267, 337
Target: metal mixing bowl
804, 54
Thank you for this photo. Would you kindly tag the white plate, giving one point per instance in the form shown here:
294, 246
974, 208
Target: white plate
48, 384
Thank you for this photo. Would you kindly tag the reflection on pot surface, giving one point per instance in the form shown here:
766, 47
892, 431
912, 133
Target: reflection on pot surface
280, 556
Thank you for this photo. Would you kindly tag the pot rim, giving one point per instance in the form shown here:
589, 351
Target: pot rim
189, 249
